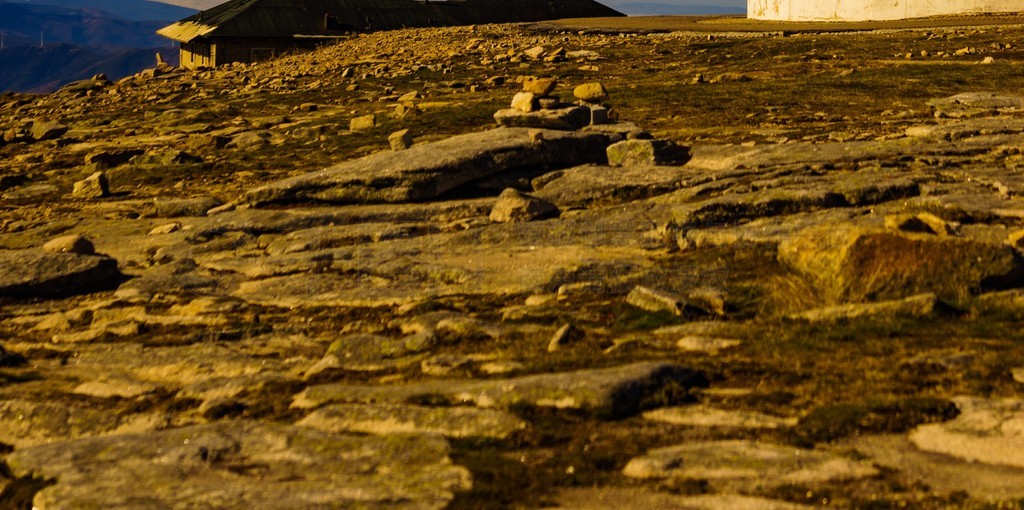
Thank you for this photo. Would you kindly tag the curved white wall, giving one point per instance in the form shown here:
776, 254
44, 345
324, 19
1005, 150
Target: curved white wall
861, 10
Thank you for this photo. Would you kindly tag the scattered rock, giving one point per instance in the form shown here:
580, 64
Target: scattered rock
94, 186
731, 78
364, 123
922, 223
709, 345
655, 300
921, 305
571, 118
986, 431
73, 243
601, 498
646, 152
43, 130
971, 104
400, 140
703, 416
249, 140
535, 52
210, 142
166, 228
31, 273
593, 92
524, 102
110, 158
540, 87
166, 158
115, 387
177, 207
363, 353
609, 392
745, 465
453, 422
515, 206
565, 335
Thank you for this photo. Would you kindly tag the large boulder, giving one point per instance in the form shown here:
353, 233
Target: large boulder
851, 264
32, 273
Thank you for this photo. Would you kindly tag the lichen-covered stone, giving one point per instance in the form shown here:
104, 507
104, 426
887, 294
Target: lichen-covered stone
746, 464
516, 206
609, 392
244, 465
647, 152
378, 419
851, 264
986, 431
32, 273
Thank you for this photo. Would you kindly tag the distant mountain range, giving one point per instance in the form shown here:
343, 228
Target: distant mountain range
136, 10
44, 46
30, 23
35, 69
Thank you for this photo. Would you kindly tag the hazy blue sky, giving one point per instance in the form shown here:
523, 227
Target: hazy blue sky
206, 4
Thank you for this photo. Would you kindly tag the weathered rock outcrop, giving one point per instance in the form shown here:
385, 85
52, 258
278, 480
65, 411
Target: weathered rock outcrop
218, 465
31, 273
854, 264
428, 170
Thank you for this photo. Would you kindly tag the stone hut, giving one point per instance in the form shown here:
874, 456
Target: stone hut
253, 30
865, 10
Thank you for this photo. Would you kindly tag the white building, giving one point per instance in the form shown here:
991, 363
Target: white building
863, 10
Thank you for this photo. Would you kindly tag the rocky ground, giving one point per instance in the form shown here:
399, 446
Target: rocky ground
749, 270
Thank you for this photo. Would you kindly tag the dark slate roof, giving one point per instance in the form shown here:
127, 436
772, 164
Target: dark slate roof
289, 18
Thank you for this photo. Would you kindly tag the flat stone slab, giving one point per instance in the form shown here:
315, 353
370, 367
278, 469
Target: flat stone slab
32, 273
705, 416
427, 170
574, 117
976, 103
453, 422
921, 305
402, 271
608, 392
321, 238
244, 465
603, 498
941, 473
746, 464
843, 189
598, 186
362, 352
24, 423
724, 157
986, 431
